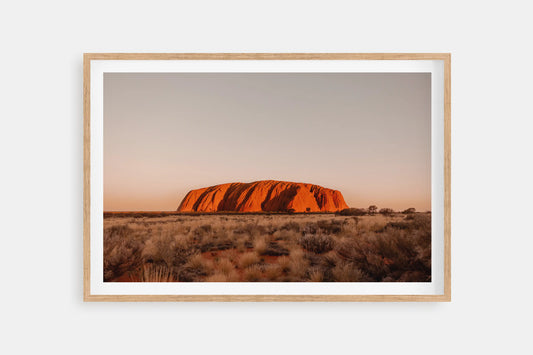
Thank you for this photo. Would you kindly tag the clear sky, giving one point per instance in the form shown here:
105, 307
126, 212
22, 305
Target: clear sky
367, 135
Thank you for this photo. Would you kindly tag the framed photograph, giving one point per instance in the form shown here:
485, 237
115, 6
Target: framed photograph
267, 177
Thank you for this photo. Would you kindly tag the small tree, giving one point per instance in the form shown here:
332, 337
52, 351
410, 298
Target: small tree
373, 209
409, 210
386, 211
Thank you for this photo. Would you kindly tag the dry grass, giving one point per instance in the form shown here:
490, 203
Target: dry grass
284, 263
317, 243
225, 266
316, 275
248, 259
253, 273
154, 273
260, 245
274, 272
162, 247
347, 272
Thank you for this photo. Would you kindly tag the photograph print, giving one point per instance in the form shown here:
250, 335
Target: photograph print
267, 177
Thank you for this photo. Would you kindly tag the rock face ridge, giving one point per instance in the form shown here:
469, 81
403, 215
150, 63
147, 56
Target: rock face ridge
266, 195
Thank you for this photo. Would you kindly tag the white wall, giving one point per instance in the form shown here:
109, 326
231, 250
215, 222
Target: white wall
41, 181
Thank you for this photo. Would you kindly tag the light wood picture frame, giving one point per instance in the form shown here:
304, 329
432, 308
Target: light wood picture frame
95, 65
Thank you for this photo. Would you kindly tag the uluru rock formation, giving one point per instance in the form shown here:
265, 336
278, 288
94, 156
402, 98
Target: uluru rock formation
266, 195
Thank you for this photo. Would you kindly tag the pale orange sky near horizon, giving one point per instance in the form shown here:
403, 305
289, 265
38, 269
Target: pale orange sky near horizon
367, 135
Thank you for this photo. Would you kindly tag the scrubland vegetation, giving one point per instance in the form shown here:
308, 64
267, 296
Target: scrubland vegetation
343, 247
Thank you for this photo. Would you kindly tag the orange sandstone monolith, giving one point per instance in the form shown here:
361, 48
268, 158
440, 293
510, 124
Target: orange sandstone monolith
263, 196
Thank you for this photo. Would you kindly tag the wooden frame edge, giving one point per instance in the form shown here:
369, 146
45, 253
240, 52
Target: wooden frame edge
445, 57
86, 177
447, 177
266, 56
267, 298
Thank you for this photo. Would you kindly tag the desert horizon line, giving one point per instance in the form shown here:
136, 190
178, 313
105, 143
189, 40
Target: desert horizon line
257, 212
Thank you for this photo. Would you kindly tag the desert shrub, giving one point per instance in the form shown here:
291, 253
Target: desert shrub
284, 263
119, 231
314, 259
200, 263
195, 269
330, 226
309, 228
273, 272
286, 235
173, 251
239, 231
225, 266
317, 243
330, 260
409, 210
422, 222
291, 226
389, 255
254, 229
270, 228
412, 222
326, 263
360, 254
122, 251
386, 211
260, 246
352, 212
156, 273
298, 265
397, 225
218, 239
348, 272
224, 269
253, 273
247, 259
203, 229
316, 275
349, 221
241, 242
273, 249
